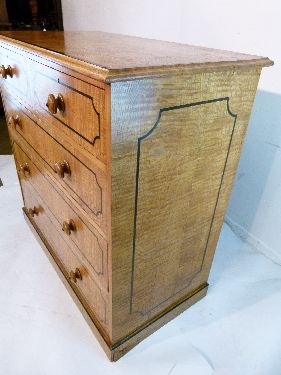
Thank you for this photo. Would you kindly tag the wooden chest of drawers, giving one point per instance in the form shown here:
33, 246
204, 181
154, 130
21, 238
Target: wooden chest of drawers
126, 150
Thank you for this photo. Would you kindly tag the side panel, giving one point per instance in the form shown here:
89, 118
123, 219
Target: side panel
180, 167
175, 147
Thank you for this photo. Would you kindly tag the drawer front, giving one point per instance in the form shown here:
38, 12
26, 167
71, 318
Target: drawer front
87, 187
19, 82
74, 106
34, 82
86, 242
78, 275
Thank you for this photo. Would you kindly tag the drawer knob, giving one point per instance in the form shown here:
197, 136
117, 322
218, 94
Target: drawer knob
15, 120
33, 211
62, 168
55, 103
5, 72
24, 168
74, 275
69, 226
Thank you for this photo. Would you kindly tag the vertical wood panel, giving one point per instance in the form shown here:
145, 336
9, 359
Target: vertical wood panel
163, 248
176, 196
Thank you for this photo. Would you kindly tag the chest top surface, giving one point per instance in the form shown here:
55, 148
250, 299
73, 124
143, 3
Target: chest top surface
120, 55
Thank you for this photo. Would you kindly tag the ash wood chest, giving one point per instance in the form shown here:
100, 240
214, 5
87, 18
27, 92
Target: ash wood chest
126, 151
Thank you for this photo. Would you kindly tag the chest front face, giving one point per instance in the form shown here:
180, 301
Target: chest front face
56, 121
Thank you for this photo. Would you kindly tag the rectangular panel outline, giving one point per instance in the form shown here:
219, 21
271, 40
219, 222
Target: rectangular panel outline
139, 139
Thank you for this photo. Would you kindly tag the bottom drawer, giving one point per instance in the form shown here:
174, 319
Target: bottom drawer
78, 275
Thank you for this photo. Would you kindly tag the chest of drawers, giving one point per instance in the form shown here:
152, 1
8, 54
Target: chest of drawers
126, 151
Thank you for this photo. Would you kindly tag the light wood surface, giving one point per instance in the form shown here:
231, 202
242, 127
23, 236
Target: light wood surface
121, 55
126, 173
174, 157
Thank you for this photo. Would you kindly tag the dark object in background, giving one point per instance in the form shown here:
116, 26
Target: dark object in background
5, 145
19, 13
31, 15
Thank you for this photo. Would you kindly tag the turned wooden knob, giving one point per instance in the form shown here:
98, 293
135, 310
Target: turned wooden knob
5, 72
24, 168
74, 275
68, 226
33, 211
15, 120
55, 103
61, 168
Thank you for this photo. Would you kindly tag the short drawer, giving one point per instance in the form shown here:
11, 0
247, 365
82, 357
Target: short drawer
86, 186
74, 106
78, 275
86, 242
19, 81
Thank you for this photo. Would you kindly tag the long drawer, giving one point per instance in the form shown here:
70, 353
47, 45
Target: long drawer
78, 274
86, 186
85, 241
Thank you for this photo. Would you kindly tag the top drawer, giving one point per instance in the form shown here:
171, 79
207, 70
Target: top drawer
75, 108
19, 81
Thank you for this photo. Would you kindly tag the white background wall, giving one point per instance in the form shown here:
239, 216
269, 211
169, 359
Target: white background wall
249, 26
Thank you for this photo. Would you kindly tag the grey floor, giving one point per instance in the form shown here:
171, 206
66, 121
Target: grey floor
235, 329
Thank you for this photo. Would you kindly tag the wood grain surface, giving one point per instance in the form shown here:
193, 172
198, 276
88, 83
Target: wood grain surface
127, 181
123, 56
176, 143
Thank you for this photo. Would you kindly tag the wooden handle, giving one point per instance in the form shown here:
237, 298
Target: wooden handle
61, 168
69, 226
5, 72
24, 168
55, 103
74, 275
15, 120
33, 211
